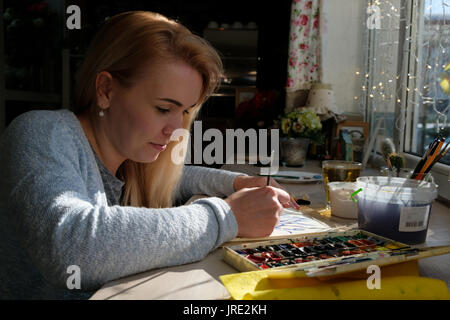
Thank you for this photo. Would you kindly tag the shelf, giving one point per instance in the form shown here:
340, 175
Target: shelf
31, 96
233, 87
223, 95
77, 55
252, 58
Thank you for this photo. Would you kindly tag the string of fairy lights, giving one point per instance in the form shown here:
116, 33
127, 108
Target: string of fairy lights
434, 65
426, 42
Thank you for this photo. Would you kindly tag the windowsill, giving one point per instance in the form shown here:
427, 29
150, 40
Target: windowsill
440, 172
438, 167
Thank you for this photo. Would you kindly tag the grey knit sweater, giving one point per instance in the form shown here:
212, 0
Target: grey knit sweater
54, 213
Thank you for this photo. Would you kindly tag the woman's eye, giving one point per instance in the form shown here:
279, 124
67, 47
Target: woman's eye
162, 110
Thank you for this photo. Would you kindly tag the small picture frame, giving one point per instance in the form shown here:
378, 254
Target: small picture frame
245, 94
357, 149
360, 126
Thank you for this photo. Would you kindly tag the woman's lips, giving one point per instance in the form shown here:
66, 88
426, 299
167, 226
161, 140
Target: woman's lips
159, 147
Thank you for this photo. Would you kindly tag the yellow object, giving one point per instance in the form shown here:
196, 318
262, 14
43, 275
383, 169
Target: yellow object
392, 288
391, 246
445, 79
400, 281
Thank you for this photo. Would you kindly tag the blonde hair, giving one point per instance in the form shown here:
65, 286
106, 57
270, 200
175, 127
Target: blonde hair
124, 44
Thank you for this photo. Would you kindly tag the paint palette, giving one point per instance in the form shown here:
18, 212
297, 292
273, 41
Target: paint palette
297, 177
324, 253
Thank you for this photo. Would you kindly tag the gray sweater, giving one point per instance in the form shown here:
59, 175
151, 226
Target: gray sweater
55, 213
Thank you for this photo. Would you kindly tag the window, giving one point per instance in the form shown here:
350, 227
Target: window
428, 109
406, 57
407, 54
381, 74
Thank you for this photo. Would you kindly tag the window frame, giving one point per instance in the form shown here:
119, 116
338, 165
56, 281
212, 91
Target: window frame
413, 15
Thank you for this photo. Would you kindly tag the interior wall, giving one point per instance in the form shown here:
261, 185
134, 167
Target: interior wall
344, 50
2, 78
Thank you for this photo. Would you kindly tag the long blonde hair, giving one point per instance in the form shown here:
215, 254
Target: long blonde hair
124, 44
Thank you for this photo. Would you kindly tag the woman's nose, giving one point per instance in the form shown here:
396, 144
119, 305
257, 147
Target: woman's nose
174, 123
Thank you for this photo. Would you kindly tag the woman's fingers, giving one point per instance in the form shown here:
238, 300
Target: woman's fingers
257, 210
291, 203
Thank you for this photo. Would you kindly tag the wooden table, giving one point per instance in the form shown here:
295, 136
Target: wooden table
200, 280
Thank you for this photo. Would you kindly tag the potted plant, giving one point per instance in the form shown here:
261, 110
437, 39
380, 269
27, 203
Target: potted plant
298, 128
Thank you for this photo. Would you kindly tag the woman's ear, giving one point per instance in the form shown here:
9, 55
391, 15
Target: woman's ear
103, 87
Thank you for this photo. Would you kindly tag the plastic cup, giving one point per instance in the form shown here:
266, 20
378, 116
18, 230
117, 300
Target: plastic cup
339, 170
341, 201
396, 208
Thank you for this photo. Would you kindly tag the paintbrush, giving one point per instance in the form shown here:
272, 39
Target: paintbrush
431, 158
298, 201
422, 161
272, 154
302, 202
358, 262
439, 156
280, 176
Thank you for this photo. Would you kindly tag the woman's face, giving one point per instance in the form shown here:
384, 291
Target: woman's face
140, 120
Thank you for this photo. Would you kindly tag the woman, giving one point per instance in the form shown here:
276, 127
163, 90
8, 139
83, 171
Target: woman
95, 189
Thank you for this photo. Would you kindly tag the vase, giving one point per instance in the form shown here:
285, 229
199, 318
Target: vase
294, 151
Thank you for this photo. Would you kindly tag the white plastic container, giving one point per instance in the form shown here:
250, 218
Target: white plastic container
396, 208
340, 198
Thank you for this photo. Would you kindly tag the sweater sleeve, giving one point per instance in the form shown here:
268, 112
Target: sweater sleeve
208, 181
62, 221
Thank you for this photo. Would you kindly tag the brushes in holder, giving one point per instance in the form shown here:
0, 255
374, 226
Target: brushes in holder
396, 162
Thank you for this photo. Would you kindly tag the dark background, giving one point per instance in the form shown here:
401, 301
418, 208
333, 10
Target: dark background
35, 35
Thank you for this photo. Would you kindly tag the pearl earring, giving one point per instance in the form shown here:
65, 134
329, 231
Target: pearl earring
101, 113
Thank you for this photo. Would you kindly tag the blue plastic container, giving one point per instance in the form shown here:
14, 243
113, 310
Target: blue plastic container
396, 208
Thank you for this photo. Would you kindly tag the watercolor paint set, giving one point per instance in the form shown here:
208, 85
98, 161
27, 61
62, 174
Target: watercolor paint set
323, 254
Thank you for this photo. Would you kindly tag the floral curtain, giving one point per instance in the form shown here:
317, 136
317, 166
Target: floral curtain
304, 60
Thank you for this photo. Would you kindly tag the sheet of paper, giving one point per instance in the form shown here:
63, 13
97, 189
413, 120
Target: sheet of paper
298, 223
293, 223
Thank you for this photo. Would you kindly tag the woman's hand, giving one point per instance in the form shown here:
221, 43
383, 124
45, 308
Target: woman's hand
257, 210
241, 182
